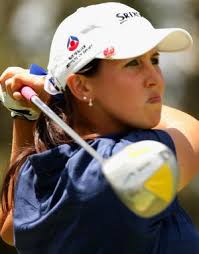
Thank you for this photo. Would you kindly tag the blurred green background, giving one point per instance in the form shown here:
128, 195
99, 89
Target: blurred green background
26, 30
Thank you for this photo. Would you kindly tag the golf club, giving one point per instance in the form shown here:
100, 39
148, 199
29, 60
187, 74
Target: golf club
144, 174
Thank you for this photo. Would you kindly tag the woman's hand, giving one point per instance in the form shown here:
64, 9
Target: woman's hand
12, 80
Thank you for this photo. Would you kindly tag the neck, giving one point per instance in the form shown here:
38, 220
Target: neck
88, 121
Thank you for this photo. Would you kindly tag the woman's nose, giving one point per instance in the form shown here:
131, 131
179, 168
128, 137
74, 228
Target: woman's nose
153, 76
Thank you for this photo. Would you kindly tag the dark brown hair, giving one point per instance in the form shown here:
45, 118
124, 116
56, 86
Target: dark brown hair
46, 136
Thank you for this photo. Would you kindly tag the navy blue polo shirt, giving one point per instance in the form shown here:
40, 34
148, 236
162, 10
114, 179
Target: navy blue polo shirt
64, 205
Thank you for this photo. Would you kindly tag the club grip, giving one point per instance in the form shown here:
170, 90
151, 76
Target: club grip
28, 92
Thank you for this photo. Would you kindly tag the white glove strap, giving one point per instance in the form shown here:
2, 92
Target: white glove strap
16, 108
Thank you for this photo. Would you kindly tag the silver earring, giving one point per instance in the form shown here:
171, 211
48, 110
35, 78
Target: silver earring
90, 104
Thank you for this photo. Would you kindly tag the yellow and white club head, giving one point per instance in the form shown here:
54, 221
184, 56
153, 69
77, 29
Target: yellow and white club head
145, 177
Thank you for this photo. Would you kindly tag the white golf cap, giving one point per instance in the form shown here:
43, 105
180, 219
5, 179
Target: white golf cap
106, 31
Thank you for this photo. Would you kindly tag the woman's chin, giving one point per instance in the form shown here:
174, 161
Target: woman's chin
152, 123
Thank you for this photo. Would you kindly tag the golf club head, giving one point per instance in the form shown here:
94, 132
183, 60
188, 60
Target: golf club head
145, 177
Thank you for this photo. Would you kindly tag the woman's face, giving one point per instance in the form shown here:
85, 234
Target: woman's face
130, 91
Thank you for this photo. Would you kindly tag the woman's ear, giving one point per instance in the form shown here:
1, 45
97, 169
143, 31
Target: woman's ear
79, 86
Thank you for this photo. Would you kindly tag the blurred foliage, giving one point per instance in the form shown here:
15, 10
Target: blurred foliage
26, 29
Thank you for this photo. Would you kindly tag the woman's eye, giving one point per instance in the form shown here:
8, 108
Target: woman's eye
132, 63
155, 61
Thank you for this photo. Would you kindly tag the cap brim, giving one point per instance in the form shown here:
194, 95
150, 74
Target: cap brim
165, 40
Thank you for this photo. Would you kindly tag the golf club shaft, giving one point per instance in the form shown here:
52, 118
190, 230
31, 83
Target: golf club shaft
30, 95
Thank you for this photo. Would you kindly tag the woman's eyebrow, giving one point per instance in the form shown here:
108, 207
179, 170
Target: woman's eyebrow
129, 60
134, 58
156, 54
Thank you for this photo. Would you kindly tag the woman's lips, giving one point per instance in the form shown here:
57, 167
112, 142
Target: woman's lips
155, 99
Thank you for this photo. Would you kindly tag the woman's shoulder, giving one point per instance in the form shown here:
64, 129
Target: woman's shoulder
71, 154
120, 140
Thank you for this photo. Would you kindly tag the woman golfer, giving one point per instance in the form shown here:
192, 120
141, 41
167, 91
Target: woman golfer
104, 80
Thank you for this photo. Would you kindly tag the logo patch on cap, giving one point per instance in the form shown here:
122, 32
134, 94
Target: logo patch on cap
123, 17
109, 52
73, 43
